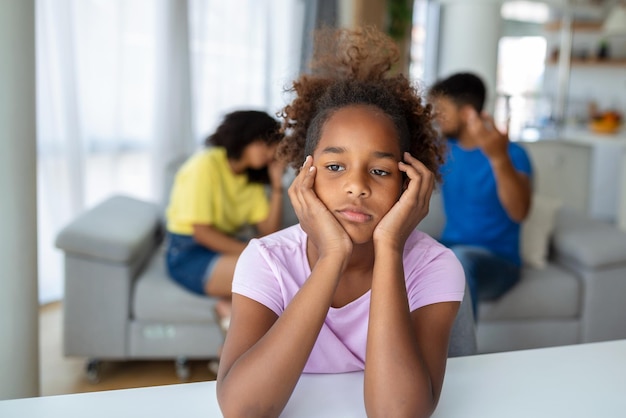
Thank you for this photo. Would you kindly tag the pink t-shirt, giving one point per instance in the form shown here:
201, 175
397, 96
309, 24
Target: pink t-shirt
272, 269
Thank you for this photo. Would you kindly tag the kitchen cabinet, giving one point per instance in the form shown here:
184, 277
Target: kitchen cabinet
561, 170
589, 78
586, 171
586, 41
592, 62
621, 214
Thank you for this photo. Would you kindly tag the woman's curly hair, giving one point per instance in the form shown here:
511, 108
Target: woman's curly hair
239, 129
352, 67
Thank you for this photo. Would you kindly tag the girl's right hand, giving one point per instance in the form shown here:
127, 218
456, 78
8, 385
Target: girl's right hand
321, 227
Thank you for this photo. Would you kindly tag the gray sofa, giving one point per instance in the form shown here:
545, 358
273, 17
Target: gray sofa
120, 305
578, 297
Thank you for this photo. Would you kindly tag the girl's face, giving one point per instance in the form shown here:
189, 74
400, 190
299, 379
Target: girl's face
259, 154
357, 168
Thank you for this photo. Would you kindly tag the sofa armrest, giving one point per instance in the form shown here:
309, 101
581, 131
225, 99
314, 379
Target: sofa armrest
118, 230
587, 243
105, 249
596, 252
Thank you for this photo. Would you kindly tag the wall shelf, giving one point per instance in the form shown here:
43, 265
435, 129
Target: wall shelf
592, 62
577, 26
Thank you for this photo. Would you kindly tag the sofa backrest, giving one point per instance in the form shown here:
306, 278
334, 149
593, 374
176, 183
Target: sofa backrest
433, 223
168, 179
463, 334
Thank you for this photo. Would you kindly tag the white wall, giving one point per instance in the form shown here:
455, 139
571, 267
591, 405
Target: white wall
469, 35
19, 343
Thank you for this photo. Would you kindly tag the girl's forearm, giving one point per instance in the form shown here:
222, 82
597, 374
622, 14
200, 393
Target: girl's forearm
397, 382
261, 381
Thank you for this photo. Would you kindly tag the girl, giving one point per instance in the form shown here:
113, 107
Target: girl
218, 191
353, 286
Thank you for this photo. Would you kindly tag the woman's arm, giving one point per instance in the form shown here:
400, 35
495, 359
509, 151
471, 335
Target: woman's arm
273, 221
276, 169
216, 240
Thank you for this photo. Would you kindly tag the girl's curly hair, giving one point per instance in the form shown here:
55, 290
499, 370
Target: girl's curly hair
352, 67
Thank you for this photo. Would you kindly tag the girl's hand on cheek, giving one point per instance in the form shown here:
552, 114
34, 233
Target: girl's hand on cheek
411, 208
324, 231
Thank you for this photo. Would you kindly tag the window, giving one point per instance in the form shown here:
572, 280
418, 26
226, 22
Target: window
519, 101
424, 35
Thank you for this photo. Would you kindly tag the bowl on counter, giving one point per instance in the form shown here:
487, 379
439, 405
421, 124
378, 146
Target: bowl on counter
608, 123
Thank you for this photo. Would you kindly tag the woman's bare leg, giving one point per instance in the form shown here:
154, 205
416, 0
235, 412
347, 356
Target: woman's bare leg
221, 280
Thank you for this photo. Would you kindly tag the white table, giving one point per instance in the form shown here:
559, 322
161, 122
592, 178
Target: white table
587, 380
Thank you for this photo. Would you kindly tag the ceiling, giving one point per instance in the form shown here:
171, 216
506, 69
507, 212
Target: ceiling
582, 9
551, 10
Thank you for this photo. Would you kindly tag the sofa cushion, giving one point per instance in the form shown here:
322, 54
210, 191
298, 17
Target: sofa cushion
537, 229
117, 230
158, 298
586, 242
547, 293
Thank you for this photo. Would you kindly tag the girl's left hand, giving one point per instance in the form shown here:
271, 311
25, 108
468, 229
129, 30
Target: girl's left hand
396, 226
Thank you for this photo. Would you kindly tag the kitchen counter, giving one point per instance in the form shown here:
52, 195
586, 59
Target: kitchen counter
578, 134
586, 136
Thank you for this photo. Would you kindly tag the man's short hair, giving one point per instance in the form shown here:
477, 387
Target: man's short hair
462, 89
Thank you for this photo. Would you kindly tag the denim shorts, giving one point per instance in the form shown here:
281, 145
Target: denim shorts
189, 263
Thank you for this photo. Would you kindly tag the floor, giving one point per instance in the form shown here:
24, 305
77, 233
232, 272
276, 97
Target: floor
61, 375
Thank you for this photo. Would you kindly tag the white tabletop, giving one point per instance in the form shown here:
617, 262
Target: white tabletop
587, 380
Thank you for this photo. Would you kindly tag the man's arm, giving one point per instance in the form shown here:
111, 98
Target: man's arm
513, 187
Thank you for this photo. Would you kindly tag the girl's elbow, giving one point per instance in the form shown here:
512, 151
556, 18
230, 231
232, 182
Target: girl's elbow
235, 408
238, 407
229, 405
420, 412
413, 408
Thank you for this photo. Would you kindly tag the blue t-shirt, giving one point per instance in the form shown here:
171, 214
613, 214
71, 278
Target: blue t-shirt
474, 214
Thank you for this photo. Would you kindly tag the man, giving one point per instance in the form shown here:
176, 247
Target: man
486, 188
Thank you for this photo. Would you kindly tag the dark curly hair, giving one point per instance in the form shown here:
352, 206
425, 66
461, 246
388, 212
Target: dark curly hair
239, 129
462, 89
352, 67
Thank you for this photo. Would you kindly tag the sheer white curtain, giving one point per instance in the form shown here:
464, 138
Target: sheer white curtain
242, 59
126, 86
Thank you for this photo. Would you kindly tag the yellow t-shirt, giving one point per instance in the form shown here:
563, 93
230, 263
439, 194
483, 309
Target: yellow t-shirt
207, 192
